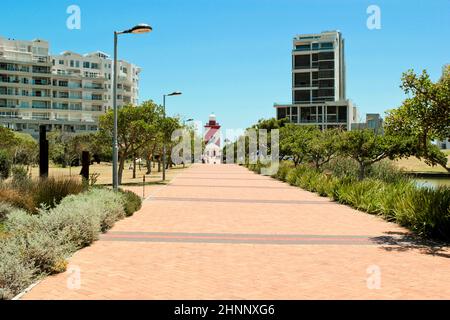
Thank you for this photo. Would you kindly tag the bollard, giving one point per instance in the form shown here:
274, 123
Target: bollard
143, 186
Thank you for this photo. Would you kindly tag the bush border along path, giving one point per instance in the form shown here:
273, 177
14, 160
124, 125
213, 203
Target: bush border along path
425, 211
38, 245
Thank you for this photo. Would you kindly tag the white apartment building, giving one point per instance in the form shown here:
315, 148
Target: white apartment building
318, 83
66, 92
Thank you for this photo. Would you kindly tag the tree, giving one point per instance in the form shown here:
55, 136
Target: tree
270, 124
425, 115
137, 126
367, 148
60, 150
7, 140
5, 164
294, 141
25, 150
322, 146
19, 148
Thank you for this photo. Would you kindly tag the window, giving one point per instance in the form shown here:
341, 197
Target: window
302, 61
61, 62
326, 65
294, 114
302, 96
86, 64
331, 114
326, 92
303, 47
326, 83
94, 65
326, 45
72, 63
326, 74
308, 115
77, 64
281, 113
326, 55
302, 79
342, 114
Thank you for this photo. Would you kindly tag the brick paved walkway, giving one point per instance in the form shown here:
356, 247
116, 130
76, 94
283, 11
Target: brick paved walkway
222, 232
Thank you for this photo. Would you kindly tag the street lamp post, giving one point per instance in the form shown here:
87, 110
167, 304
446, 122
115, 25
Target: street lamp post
140, 28
176, 93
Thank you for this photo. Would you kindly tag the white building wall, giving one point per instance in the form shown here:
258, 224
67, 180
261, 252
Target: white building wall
70, 95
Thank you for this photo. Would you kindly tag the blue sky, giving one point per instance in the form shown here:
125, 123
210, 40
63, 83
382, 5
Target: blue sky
233, 57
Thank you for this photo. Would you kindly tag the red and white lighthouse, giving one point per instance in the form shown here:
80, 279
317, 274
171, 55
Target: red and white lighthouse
213, 151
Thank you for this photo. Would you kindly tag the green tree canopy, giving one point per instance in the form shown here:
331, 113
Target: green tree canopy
424, 115
367, 147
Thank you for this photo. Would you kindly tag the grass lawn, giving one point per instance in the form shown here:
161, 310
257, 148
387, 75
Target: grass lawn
413, 164
105, 173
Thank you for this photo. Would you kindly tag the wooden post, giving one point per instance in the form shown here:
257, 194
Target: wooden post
43, 152
85, 162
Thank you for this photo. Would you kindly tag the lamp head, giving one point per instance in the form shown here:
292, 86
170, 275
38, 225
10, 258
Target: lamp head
176, 93
140, 28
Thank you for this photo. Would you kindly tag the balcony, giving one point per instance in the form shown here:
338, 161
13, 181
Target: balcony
93, 98
14, 68
41, 83
94, 87
45, 70
38, 106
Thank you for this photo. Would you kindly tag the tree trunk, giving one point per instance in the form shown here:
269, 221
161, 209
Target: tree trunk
121, 167
148, 161
159, 165
317, 163
134, 167
362, 171
168, 162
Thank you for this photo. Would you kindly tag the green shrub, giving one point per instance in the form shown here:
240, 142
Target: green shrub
282, 172
132, 201
15, 273
363, 195
39, 244
5, 209
5, 165
19, 174
426, 211
386, 191
343, 167
386, 171
45, 249
82, 217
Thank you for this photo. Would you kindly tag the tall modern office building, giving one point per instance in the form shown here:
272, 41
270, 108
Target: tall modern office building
318, 83
66, 92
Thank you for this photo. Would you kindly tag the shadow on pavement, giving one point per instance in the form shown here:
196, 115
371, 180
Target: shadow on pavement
403, 241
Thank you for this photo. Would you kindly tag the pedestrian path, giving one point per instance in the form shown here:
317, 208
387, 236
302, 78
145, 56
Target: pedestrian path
223, 232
